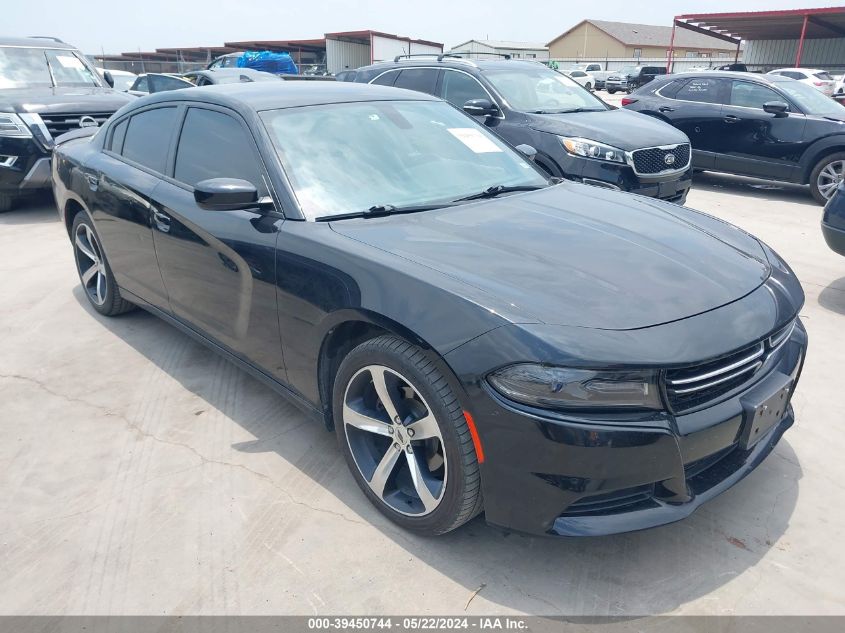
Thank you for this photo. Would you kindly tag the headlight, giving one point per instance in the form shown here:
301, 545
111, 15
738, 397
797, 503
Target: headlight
591, 149
564, 388
12, 125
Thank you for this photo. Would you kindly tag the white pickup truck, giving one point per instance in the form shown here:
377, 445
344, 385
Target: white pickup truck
595, 70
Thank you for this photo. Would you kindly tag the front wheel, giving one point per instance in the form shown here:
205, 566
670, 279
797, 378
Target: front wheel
405, 438
826, 176
589, 86
611, 91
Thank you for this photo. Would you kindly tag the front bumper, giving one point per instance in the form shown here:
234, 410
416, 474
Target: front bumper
556, 475
672, 188
616, 85
834, 237
30, 170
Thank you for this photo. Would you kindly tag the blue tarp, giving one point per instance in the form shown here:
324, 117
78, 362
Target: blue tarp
278, 63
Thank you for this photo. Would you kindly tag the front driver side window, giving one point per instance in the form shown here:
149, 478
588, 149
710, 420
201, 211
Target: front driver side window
215, 145
458, 88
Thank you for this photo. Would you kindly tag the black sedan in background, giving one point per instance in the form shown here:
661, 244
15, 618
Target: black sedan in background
766, 126
568, 359
577, 135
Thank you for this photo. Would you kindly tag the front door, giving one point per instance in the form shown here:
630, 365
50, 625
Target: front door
755, 142
219, 266
695, 108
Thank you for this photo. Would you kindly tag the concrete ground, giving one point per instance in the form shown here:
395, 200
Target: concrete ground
142, 474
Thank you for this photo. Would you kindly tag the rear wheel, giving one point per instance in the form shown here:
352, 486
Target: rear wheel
94, 271
826, 176
7, 202
588, 86
611, 91
405, 438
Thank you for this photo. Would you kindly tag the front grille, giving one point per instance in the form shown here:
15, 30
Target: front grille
653, 160
613, 502
59, 123
692, 386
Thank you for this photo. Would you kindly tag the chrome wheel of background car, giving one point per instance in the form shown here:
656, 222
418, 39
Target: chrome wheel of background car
89, 261
829, 177
395, 440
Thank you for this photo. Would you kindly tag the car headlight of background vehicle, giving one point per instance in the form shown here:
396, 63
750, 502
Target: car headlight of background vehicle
564, 388
12, 125
592, 149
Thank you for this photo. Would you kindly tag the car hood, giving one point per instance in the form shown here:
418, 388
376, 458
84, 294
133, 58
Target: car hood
620, 128
578, 255
65, 100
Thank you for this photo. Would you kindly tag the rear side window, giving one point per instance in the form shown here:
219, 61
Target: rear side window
215, 145
823, 76
750, 95
702, 90
458, 88
148, 138
162, 82
793, 74
141, 84
118, 135
386, 79
419, 79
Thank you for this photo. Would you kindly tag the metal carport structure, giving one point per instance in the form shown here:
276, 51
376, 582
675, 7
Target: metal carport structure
781, 35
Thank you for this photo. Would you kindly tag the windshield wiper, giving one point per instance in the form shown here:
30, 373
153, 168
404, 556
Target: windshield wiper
381, 210
492, 192
570, 111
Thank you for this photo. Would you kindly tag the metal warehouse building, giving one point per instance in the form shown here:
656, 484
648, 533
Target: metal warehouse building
812, 38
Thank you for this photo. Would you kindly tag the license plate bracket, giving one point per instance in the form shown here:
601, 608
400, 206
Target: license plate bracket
761, 417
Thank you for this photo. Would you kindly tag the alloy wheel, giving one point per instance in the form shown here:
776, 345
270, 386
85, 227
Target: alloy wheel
90, 262
829, 178
395, 440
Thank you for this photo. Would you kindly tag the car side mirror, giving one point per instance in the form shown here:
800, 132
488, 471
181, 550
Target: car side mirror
481, 107
527, 150
107, 77
778, 108
225, 194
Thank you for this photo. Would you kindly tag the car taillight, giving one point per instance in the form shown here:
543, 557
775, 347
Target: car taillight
818, 83
628, 101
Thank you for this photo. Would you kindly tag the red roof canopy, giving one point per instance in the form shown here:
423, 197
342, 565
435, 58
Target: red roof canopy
768, 25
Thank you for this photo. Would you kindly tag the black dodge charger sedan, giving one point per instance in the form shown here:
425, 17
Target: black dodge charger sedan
569, 360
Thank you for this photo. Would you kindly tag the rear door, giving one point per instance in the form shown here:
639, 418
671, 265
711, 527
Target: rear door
124, 176
757, 143
694, 106
219, 266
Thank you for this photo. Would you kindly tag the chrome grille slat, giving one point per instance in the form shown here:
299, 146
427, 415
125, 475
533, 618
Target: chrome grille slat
713, 383
60, 122
722, 370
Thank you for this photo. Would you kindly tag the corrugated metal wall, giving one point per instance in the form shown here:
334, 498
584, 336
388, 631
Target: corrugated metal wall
346, 55
418, 49
679, 64
825, 53
386, 48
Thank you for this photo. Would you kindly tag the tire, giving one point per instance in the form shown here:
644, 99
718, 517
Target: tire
826, 175
589, 86
7, 203
385, 461
629, 90
95, 274
611, 92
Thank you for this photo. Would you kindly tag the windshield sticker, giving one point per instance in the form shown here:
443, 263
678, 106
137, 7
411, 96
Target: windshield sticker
474, 140
68, 61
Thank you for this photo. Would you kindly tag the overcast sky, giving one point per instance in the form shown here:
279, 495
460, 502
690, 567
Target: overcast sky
117, 26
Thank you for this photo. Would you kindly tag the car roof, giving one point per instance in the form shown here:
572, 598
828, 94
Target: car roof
35, 42
270, 95
729, 74
805, 70
456, 62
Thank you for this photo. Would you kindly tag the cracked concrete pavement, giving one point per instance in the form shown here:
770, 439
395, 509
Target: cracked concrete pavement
142, 474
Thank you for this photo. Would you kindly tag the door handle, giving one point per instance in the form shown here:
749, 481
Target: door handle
731, 119
93, 181
665, 109
162, 221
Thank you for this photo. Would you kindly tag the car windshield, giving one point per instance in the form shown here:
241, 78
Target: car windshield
542, 90
43, 67
123, 82
810, 100
350, 157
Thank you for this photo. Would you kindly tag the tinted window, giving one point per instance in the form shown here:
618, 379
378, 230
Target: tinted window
419, 79
386, 79
792, 74
162, 82
703, 90
118, 135
749, 95
141, 84
654, 70
459, 88
823, 76
214, 145
670, 89
148, 138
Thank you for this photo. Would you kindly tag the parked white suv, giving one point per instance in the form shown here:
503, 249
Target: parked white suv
821, 80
